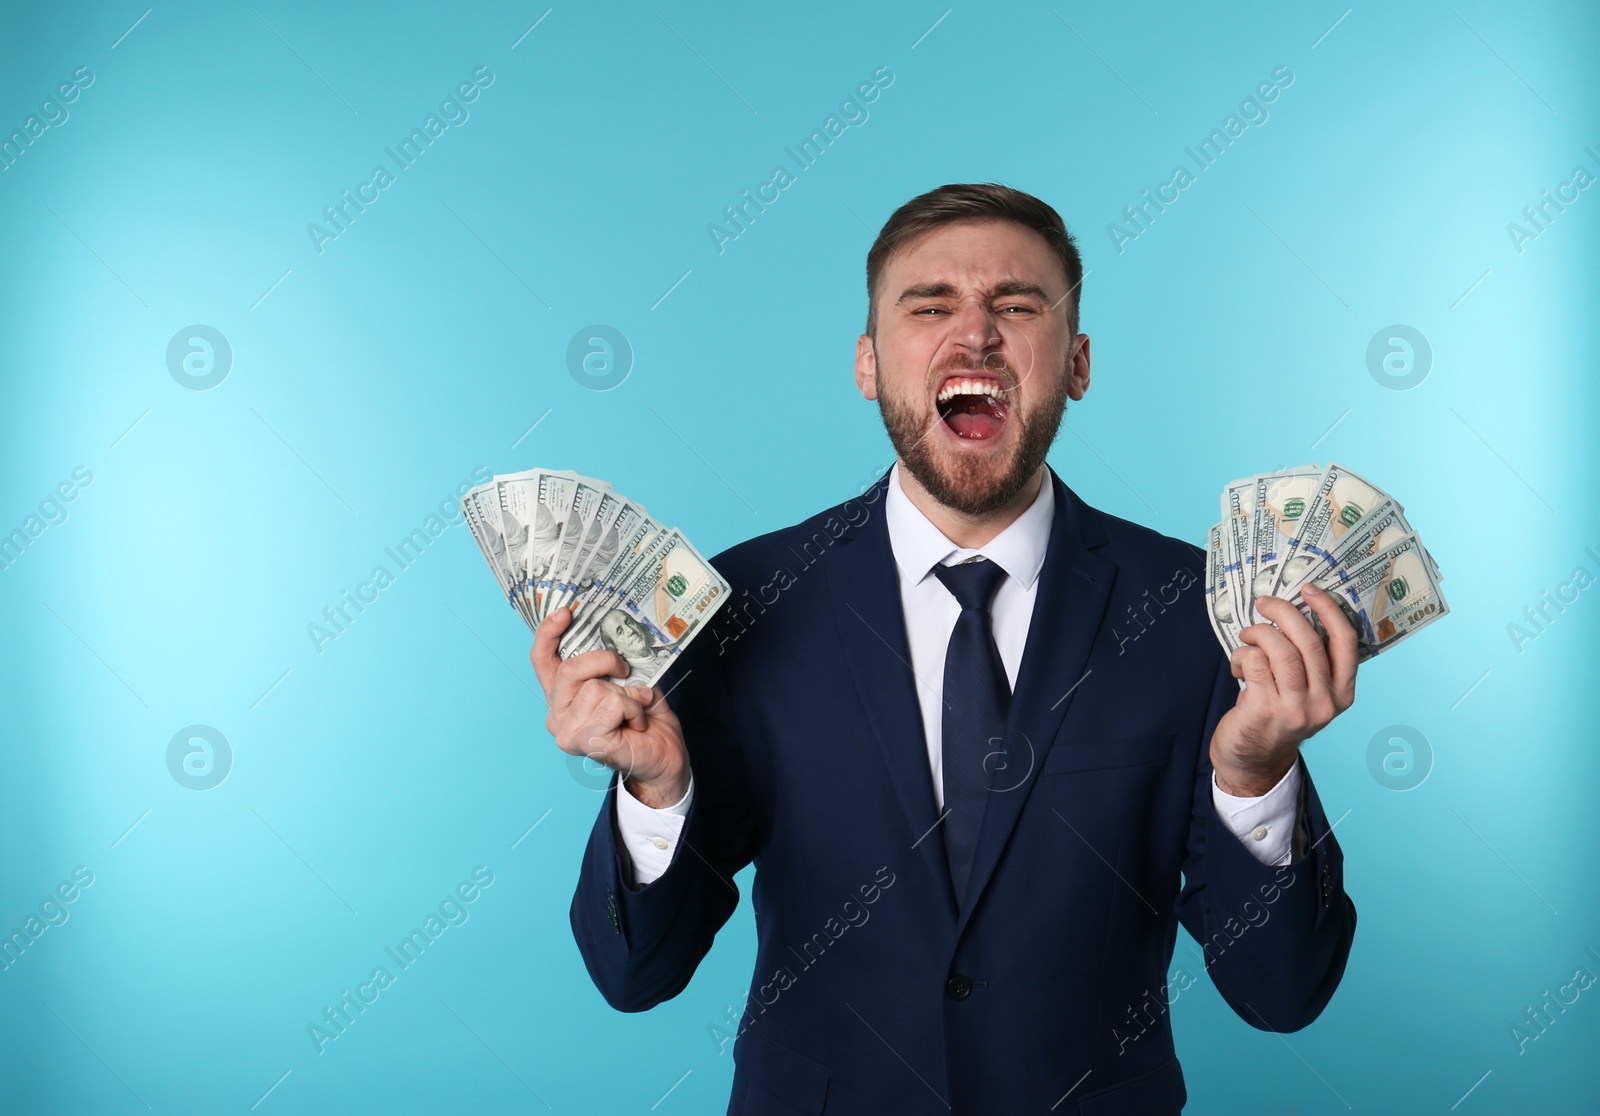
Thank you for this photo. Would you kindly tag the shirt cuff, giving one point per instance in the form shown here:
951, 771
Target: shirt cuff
650, 835
1263, 823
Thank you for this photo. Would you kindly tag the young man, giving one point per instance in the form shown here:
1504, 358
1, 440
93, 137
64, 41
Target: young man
971, 730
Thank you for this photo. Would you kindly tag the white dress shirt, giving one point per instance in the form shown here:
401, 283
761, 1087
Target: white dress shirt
1263, 823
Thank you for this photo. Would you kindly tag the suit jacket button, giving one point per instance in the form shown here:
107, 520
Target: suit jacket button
959, 987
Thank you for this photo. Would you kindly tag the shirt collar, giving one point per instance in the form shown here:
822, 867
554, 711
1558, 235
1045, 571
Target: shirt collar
919, 546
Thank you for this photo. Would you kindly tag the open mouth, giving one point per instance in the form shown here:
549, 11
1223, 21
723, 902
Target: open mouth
975, 408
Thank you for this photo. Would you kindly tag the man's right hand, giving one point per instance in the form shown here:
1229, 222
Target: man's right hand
630, 729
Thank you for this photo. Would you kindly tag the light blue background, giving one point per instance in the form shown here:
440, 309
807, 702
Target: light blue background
371, 777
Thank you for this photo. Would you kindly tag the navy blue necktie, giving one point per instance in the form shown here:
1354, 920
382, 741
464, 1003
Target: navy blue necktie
976, 697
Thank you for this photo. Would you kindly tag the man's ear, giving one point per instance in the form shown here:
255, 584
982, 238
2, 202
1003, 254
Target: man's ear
1078, 368
866, 367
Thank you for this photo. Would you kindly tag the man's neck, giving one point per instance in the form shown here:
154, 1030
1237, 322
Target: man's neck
969, 531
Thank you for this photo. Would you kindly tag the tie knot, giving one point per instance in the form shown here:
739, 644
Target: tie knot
973, 584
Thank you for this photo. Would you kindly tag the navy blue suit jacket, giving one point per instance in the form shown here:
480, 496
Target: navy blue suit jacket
876, 992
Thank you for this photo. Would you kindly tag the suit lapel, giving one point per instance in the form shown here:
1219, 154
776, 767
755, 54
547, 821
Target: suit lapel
865, 585
1074, 589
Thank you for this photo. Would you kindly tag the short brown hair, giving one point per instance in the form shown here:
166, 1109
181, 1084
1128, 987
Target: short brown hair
973, 202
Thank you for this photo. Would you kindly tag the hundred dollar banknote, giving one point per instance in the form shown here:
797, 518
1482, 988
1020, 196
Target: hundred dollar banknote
1390, 595
1322, 525
1219, 602
1237, 564
1278, 502
1339, 500
667, 603
554, 539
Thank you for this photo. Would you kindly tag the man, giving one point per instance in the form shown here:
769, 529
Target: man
971, 731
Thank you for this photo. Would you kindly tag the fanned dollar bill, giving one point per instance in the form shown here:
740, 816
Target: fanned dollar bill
587, 498
1339, 500
1278, 503
1327, 526
616, 583
1238, 567
1219, 601
481, 507
665, 604
597, 548
1386, 597
554, 539
552, 495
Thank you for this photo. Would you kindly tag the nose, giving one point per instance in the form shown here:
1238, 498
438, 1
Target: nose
975, 328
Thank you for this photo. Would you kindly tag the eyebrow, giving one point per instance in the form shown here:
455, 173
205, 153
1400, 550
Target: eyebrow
999, 290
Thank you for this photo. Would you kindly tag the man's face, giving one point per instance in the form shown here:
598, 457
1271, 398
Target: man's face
974, 359
625, 635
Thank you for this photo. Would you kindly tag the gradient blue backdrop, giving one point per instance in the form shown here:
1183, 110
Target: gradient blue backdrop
369, 379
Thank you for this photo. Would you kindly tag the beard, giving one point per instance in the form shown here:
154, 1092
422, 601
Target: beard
969, 484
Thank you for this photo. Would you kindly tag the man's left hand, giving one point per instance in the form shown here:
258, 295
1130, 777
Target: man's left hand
1294, 685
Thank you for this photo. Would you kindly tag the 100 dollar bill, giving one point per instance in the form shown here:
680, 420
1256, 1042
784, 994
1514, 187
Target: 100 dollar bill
670, 599
1337, 504
1386, 597
1279, 502
1219, 602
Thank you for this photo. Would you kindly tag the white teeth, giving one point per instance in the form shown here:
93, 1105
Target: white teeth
971, 387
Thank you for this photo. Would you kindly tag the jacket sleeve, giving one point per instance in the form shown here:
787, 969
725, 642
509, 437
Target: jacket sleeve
1275, 939
641, 945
